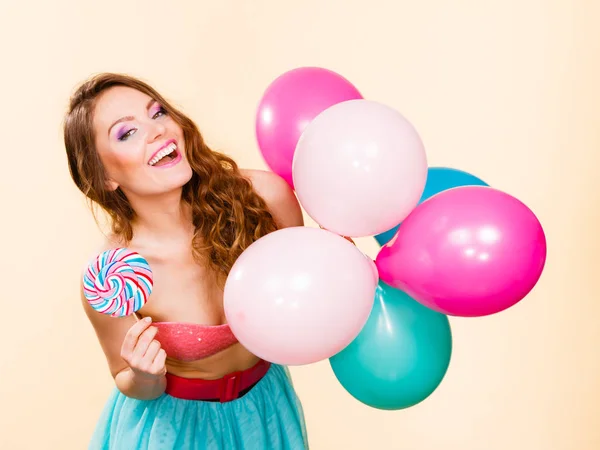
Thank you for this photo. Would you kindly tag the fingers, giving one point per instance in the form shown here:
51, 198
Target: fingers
137, 360
158, 366
142, 352
349, 239
131, 338
149, 363
143, 343
152, 351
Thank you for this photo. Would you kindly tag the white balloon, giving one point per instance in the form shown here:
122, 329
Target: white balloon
359, 168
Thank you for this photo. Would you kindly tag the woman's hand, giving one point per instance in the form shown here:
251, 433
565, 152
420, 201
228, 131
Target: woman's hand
142, 352
349, 239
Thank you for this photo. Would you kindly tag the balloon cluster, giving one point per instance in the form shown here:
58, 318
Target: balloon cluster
451, 246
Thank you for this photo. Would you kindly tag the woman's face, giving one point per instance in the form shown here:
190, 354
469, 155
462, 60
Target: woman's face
140, 146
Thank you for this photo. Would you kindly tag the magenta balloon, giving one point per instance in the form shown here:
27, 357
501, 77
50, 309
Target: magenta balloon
468, 251
290, 103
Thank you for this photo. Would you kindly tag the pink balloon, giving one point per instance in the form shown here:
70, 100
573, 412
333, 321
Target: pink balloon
289, 103
360, 168
468, 251
299, 295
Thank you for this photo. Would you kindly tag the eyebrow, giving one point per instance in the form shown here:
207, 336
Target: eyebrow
126, 118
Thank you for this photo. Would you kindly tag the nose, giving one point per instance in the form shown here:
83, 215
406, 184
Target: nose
156, 130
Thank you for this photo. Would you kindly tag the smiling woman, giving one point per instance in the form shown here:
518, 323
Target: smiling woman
136, 144
190, 212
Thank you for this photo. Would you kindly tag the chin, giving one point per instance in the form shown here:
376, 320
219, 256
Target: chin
181, 179
168, 179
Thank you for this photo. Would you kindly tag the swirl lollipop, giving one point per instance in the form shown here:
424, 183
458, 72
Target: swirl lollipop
118, 282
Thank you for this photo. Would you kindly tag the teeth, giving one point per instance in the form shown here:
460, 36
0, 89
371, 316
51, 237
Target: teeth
164, 152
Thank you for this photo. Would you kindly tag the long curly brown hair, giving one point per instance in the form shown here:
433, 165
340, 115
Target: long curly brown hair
227, 213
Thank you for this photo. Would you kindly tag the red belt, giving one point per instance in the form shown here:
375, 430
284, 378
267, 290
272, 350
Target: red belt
223, 389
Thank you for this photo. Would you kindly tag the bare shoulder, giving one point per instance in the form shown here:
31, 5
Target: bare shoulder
108, 242
266, 180
278, 195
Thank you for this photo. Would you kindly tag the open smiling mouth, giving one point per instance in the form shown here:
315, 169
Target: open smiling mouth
167, 155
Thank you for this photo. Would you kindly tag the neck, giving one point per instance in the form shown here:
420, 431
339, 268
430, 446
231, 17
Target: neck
165, 215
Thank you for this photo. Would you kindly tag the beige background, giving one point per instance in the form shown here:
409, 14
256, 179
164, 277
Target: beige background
506, 89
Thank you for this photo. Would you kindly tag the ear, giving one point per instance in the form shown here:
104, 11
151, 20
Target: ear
111, 185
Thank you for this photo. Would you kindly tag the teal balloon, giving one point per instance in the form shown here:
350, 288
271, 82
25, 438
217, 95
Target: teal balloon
438, 179
401, 355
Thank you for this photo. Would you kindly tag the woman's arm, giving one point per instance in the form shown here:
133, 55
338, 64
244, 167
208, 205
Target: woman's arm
135, 359
278, 195
280, 198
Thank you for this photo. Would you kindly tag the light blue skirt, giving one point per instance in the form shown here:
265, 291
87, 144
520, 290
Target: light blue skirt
269, 417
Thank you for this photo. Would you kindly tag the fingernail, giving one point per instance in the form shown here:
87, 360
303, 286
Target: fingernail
148, 319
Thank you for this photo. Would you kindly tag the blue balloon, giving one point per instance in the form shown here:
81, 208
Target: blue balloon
400, 356
438, 179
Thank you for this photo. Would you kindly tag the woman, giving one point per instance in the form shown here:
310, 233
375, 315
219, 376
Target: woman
182, 379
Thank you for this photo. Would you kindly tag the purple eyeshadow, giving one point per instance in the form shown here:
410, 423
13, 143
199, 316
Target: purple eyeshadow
122, 131
156, 109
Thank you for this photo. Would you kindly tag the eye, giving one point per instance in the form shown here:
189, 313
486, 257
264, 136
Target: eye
161, 112
126, 135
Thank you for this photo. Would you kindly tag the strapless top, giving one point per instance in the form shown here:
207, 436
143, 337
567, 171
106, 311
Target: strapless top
190, 342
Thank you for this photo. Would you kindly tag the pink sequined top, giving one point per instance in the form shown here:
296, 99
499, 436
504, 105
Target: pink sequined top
190, 342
